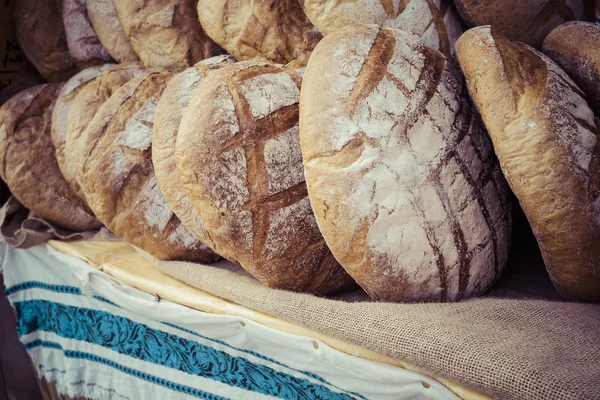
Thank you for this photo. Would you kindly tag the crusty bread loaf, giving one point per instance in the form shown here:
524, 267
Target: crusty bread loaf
434, 21
259, 30
41, 35
239, 160
547, 142
86, 104
104, 19
82, 40
61, 112
575, 47
165, 34
169, 111
401, 176
28, 164
526, 21
120, 184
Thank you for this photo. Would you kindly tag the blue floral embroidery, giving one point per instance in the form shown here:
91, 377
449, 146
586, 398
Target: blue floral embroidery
142, 342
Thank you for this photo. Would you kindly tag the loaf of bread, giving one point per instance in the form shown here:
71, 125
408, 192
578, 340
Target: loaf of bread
119, 181
169, 111
61, 111
82, 40
526, 21
402, 179
104, 19
41, 35
165, 34
27, 161
575, 47
86, 104
239, 160
259, 30
435, 22
545, 137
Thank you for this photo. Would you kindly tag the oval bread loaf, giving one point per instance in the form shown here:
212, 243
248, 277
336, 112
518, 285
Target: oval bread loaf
41, 36
547, 142
169, 111
28, 164
436, 23
86, 104
259, 29
165, 34
104, 19
239, 160
120, 184
401, 177
575, 47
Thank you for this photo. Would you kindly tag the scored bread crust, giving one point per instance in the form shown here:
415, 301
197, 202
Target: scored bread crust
169, 111
120, 184
239, 161
28, 164
436, 23
166, 34
260, 30
83, 108
61, 111
401, 177
82, 40
547, 142
575, 47
41, 35
104, 19
525, 21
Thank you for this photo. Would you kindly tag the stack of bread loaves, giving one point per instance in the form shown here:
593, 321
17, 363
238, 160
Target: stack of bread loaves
338, 143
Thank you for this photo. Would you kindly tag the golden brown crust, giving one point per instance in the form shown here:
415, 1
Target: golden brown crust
28, 164
547, 142
260, 30
239, 161
575, 47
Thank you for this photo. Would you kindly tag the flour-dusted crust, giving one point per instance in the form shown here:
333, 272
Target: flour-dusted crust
401, 177
260, 30
87, 102
28, 164
165, 34
575, 47
526, 21
61, 111
169, 111
82, 40
41, 35
104, 19
119, 181
435, 22
239, 159
547, 143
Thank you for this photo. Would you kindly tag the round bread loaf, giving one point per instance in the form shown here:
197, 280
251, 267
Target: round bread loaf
61, 112
169, 111
86, 104
401, 177
41, 36
83, 43
259, 30
526, 21
120, 184
104, 19
28, 164
547, 143
165, 34
239, 160
435, 22
575, 47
